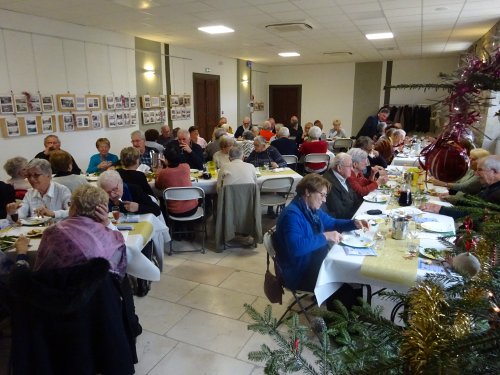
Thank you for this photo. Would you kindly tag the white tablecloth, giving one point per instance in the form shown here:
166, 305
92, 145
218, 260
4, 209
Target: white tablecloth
405, 161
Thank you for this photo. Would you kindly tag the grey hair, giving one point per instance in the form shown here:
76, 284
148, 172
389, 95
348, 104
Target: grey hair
185, 132
314, 132
491, 162
260, 140
219, 133
277, 127
226, 141
139, 133
109, 177
357, 154
266, 125
284, 132
235, 153
339, 159
248, 135
15, 165
42, 165
399, 132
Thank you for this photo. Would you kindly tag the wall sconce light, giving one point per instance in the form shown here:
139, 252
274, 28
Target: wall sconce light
244, 80
149, 71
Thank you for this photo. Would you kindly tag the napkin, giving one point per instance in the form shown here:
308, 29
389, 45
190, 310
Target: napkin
143, 168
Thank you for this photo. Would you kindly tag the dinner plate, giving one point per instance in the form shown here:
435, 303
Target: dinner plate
426, 254
352, 240
6, 243
34, 221
376, 198
34, 233
436, 227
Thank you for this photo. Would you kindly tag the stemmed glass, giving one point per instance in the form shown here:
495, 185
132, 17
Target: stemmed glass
412, 238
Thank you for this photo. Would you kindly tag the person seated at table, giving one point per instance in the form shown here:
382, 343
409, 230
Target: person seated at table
255, 130
103, 160
139, 142
342, 201
151, 136
246, 144
52, 143
129, 197
296, 130
283, 144
194, 134
129, 159
189, 151
60, 162
45, 197
214, 145
265, 156
304, 233
314, 146
236, 171
245, 125
488, 171
221, 157
165, 135
468, 184
16, 169
7, 195
337, 131
367, 144
387, 147
266, 131
305, 134
359, 183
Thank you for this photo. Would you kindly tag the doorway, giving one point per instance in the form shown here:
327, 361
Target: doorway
206, 103
285, 102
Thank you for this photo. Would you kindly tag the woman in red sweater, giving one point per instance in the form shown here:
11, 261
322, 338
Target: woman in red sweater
314, 146
358, 182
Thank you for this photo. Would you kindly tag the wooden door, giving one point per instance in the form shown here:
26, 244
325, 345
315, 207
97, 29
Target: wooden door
206, 103
285, 101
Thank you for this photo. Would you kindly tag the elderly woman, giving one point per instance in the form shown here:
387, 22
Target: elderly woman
15, 168
314, 146
45, 197
304, 233
366, 143
129, 197
130, 160
337, 131
265, 156
387, 146
247, 143
305, 134
103, 160
87, 233
221, 157
359, 183
62, 164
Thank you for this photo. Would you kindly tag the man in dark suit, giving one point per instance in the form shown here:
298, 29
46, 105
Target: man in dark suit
189, 151
283, 144
342, 201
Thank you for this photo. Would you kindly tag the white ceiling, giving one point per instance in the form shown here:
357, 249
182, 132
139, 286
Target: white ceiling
422, 28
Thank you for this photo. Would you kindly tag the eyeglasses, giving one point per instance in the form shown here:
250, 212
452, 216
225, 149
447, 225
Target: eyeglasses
115, 190
346, 166
35, 176
323, 195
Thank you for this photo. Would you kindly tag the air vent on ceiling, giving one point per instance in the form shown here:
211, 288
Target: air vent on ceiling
290, 26
338, 53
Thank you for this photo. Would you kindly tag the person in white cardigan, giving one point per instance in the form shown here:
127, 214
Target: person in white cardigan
236, 171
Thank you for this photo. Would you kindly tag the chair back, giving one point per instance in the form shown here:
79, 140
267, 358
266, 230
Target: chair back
183, 193
342, 144
277, 185
291, 159
317, 158
268, 242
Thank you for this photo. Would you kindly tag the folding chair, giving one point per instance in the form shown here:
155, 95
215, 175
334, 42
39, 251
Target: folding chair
291, 161
275, 191
298, 296
183, 194
342, 145
317, 158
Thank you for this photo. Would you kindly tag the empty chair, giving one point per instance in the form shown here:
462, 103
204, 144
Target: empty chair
275, 191
184, 194
342, 145
291, 161
316, 158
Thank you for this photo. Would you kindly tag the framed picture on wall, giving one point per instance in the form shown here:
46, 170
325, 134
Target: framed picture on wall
145, 117
12, 126
126, 118
134, 118
163, 116
21, 103
82, 121
119, 102
173, 113
119, 119
155, 101
47, 103
67, 123
187, 113
111, 119
157, 116
92, 102
66, 102
6, 104
126, 101
133, 102
163, 101
96, 118
174, 100
34, 103
81, 105
146, 101
109, 102
30, 124
48, 124
186, 100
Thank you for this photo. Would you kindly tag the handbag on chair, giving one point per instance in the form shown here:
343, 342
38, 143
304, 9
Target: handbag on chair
272, 286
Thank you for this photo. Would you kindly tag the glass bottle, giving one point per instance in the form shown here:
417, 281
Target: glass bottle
405, 198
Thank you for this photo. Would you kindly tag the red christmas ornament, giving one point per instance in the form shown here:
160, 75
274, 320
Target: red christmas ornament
445, 159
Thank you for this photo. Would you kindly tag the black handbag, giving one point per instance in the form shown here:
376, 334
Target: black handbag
272, 286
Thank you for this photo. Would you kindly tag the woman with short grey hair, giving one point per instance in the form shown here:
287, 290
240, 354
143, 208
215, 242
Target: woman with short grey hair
314, 146
16, 168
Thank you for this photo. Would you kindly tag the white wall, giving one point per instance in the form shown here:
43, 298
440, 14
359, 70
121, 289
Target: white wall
327, 91
181, 73
38, 54
260, 90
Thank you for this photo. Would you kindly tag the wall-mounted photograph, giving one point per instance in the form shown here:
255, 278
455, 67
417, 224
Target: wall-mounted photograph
6, 104
133, 102
126, 118
174, 100
126, 101
21, 103
119, 119
118, 102
109, 101
12, 126
111, 119
93, 102
134, 118
30, 124
146, 101
47, 103
34, 103
81, 105
96, 120
48, 125
163, 101
186, 100
155, 101
67, 123
66, 102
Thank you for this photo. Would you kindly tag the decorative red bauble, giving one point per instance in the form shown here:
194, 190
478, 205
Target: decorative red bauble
446, 160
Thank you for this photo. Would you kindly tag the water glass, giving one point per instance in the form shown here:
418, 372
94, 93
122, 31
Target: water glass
115, 210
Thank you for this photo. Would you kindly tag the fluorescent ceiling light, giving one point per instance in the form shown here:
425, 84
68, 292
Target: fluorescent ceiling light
218, 29
289, 54
379, 36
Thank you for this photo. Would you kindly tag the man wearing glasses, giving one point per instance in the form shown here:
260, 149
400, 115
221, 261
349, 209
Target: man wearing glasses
246, 125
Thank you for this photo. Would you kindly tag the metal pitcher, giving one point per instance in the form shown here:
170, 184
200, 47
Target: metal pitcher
399, 227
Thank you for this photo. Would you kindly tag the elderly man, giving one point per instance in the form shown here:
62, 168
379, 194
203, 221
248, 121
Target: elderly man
369, 128
387, 146
165, 135
266, 131
129, 197
189, 151
236, 171
194, 134
46, 197
283, 144
151, 136
295, 129
360, 184
52, 143
265, 156
214, 146
246, 125
139, 142
342, 201
488, 171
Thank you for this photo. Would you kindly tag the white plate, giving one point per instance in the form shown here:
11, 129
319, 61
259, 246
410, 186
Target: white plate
436, 227
376, 198
430, 256
194, 170
33, 221
353, 241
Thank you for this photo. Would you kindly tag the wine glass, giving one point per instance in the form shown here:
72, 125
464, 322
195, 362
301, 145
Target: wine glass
115, 210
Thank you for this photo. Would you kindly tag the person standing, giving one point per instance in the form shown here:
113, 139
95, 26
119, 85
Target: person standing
370, 127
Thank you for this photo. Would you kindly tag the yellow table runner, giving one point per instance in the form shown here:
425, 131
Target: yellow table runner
271, 173
144, 228
391, 265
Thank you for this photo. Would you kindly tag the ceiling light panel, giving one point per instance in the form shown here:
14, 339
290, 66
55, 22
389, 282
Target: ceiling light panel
377, 36
216, 29
289, 54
